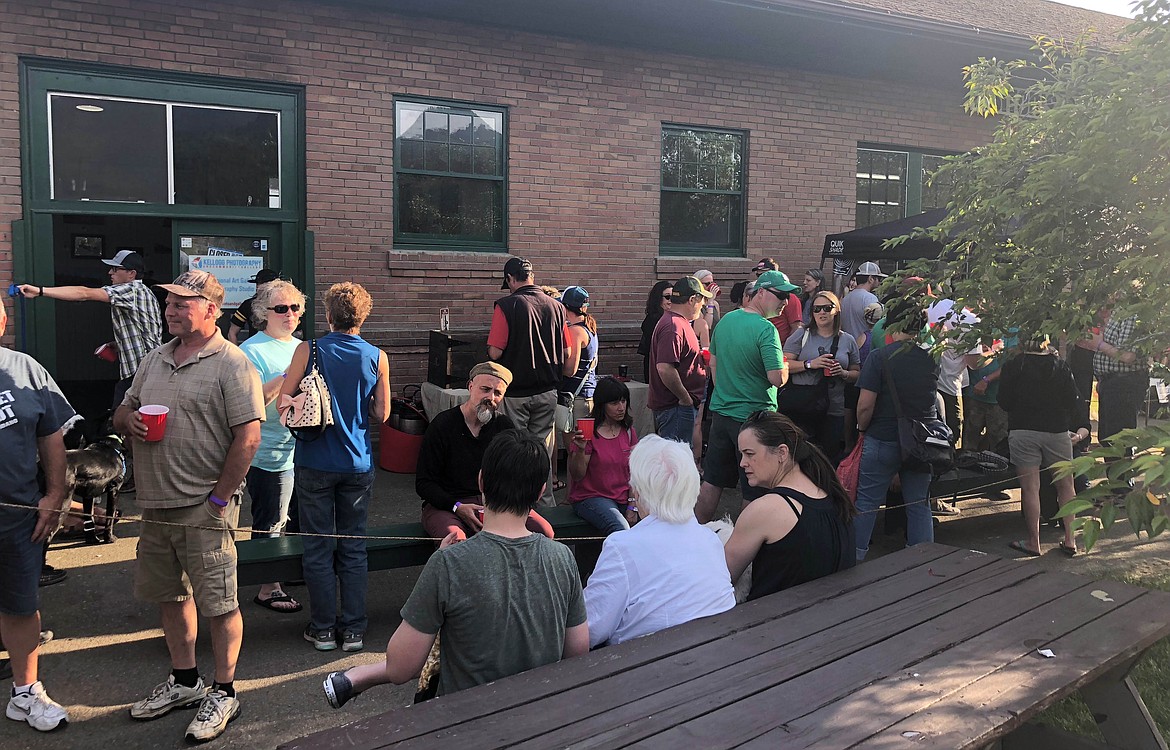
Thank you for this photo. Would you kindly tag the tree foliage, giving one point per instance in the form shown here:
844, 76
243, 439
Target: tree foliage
1067, 211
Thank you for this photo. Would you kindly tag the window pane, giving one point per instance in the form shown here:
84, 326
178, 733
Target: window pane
461, 158
412, 156
485, 161
461, 128
437, 159
409, 122
225, 157
450, 207
487, 129
436, 127
701, 219
116, 153
881, 186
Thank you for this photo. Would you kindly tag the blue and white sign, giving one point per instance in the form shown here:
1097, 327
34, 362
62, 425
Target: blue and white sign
233, 271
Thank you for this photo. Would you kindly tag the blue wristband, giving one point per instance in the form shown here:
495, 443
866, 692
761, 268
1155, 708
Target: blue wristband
216, 501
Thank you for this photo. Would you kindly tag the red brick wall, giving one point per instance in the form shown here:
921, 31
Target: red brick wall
585, 122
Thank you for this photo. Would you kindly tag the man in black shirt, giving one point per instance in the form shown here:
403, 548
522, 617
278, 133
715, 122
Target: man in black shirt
447, 475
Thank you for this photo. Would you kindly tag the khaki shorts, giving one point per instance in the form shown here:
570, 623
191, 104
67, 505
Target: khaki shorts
175, 562
1031, 448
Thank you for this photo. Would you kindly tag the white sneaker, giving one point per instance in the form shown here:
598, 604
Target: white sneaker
216, 711
166, 697
36, 707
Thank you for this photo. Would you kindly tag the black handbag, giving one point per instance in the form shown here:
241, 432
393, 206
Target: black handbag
797, 400
924, 443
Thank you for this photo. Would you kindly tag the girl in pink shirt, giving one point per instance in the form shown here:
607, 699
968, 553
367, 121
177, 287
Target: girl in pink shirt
600, 467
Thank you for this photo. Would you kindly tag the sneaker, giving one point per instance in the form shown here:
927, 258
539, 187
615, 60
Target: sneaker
51, 575
36, 707
322, 640
352, 641
166, 697
216, 711
338, 689
46, 636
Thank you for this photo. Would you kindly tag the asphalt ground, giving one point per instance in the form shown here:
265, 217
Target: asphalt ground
108, 651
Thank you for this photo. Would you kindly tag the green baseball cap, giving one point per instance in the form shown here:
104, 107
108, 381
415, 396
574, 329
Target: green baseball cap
776, 280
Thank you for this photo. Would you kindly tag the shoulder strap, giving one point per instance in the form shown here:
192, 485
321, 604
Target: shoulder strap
833, 348
890, 380
780, 491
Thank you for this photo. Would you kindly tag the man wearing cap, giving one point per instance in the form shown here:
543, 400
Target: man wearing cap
133, 307
447, 475
747, 365
241, 320
711, 310
868, 276
678, 372
528, 336
191, 479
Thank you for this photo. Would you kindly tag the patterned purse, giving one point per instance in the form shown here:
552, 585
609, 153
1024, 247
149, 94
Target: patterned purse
310, 411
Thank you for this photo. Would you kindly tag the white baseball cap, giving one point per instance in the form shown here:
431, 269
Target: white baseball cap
869, 268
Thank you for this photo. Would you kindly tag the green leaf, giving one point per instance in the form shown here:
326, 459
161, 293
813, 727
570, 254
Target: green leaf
1074, 506
1092, 530
1108, 515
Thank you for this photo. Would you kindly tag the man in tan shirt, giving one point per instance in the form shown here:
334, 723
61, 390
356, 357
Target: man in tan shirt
192, 477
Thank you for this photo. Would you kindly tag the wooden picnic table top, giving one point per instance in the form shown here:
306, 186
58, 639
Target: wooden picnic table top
930, 646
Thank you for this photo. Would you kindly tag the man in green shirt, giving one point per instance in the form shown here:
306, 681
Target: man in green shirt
506, 600
747, 366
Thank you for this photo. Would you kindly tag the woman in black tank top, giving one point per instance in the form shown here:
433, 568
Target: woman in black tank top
802, 529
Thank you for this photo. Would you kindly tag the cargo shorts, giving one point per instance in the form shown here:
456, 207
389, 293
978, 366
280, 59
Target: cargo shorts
195, 557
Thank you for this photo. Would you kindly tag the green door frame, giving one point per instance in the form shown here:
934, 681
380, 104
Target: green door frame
33, 235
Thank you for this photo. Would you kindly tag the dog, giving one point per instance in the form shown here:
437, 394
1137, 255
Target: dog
723, 528
93, 471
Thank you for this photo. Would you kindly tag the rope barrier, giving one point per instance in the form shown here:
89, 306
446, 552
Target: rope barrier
377, 538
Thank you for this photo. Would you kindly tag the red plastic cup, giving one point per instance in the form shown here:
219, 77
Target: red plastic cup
586, 427
154, 417
107, 351
706, 354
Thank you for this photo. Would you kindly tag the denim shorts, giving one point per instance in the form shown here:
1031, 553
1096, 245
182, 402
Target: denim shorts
20, 569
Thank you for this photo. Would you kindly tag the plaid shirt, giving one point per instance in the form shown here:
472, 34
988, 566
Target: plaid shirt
137, 324
1116, 333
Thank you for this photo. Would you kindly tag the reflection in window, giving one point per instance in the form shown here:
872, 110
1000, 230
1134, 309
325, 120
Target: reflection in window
701, 206
108, 150
225, 157
449, 173
881, 186
936, 191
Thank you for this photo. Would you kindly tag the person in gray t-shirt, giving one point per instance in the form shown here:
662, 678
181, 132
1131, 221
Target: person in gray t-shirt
505, 601
868, 277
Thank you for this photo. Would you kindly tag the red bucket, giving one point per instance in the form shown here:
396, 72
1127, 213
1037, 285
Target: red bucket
397, 450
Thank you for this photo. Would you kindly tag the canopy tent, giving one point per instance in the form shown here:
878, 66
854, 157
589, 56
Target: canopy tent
866, 243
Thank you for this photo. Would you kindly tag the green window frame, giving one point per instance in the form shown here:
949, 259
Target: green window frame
703, 191
450, 175
893, 183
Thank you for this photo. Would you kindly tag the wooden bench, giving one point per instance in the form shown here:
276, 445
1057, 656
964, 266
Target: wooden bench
930, 646
279, 558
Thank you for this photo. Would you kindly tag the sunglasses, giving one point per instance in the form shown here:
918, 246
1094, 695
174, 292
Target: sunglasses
666, 297
823, 308
282, 309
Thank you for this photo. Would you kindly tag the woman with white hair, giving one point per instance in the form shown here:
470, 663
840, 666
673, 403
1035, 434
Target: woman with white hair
668, 569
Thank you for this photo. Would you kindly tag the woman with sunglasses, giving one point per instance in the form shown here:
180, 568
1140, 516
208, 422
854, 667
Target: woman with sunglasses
276, 312
657, 303
803, 528
822, 359
600, 466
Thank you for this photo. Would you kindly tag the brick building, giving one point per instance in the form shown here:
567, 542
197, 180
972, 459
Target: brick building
412, 145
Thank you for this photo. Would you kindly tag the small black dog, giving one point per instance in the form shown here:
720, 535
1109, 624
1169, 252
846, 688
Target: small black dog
93, 471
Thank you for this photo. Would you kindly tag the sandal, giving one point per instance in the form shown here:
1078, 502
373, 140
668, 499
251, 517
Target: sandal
558, 485
281, 597
1067, 550
1019, 546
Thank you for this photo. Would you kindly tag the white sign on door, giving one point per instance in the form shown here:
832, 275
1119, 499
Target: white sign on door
233, 271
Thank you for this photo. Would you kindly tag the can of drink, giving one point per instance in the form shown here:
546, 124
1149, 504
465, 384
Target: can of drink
623, 371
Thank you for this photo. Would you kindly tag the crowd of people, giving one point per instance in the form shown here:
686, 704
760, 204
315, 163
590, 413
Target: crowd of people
766, 393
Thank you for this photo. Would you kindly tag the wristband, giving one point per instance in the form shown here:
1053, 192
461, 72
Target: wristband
455, 507
1100, 344
216, 501
984, 379
41, 293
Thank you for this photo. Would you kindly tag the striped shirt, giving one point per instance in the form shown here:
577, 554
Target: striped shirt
137, 324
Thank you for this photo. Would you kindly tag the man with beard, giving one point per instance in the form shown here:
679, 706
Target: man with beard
447, 475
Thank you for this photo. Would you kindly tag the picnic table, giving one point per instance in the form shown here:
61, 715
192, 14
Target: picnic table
931, 646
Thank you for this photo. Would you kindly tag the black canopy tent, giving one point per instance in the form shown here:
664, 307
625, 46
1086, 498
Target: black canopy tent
866, 243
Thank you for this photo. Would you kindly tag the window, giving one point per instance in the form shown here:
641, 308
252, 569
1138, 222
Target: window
182, 154
702, 198
449, 175
895, 184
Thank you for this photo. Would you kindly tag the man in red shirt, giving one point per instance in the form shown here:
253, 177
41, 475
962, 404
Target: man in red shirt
678, 372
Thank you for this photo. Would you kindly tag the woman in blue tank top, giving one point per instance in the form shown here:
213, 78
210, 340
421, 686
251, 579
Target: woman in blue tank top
335, 472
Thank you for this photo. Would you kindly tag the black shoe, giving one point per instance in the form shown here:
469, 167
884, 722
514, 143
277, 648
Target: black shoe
338, 689
51, 575
999, 497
